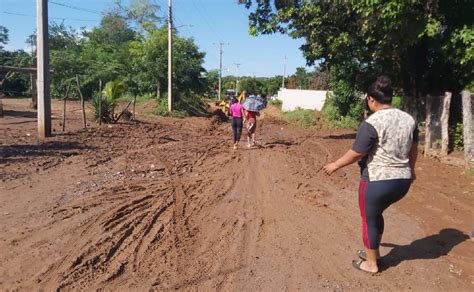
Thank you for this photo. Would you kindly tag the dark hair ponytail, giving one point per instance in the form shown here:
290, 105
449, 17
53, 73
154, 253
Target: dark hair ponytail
381, 90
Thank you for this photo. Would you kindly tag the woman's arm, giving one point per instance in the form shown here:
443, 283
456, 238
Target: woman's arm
413, 156
350, 157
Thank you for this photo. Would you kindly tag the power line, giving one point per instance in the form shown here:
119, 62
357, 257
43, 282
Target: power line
76, 8
206, 21
60, 18
203, 7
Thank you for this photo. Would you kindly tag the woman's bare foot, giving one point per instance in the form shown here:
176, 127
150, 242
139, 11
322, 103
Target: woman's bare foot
365, 266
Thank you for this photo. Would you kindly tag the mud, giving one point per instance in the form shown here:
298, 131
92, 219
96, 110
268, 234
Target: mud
166, 204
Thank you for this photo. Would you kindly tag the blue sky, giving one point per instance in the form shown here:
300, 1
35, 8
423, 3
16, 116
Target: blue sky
213, 21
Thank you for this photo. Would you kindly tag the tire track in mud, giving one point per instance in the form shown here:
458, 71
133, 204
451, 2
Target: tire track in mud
145, 227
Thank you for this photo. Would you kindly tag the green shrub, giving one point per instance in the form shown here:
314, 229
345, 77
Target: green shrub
276, 102
112, 92
333, 118
106, 112
183, 106
139, 98
302, 117
458, 137
398, 101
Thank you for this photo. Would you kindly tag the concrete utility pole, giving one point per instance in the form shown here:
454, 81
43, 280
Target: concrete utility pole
220, 69
170, 56
44, 97
237, 79
284, 73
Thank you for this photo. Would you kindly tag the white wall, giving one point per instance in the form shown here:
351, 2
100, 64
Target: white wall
305, 99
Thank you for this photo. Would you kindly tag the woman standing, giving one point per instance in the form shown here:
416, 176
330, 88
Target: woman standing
236, 112
387, 143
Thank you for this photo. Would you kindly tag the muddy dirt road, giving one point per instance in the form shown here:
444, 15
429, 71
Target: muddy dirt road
165, 204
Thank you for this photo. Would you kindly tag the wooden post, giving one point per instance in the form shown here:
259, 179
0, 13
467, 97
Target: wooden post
1, 105
158, 93
34, 92
134, 102
33, 80
64, 107
429, 102
467, 126
445, 123
170, 57
44, 97
100, 102
1, 95
82, 102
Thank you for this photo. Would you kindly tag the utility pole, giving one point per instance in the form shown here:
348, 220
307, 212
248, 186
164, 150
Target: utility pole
220, 69
42, 50
237, 79
284, 73
170, 56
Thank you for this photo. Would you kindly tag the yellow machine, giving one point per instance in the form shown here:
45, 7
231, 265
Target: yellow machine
225, 104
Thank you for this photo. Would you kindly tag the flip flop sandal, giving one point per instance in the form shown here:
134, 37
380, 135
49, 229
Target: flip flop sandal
356, 264
363, 255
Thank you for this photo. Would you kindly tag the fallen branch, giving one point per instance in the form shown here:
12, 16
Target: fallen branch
119, 116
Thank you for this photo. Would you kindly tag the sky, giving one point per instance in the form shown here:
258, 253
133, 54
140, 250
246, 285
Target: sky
208, 22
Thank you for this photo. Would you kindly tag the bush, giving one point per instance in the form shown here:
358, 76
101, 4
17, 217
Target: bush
139, 98
398, 101
458, 137
113, 90
334, 119
276, 102
184, 106
302, 117
106, 111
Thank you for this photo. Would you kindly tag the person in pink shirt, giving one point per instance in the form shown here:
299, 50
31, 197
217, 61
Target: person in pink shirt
236, 112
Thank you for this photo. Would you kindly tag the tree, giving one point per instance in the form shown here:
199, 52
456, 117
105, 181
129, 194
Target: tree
426, 46
113, 31
301, 78
16, 83
150, 65
250, 85
3, 37
270, 86
212, 81
144, 12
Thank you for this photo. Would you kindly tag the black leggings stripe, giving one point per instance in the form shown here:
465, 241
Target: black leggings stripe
237, 128
374, 198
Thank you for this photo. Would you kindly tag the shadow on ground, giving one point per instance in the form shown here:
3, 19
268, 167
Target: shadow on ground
430, 247
44, 149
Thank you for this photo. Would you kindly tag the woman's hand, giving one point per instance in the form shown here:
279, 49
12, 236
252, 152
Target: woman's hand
330, 168
350, 157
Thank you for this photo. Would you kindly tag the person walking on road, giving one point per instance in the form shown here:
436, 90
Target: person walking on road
386, 145
236, 112
251, 119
